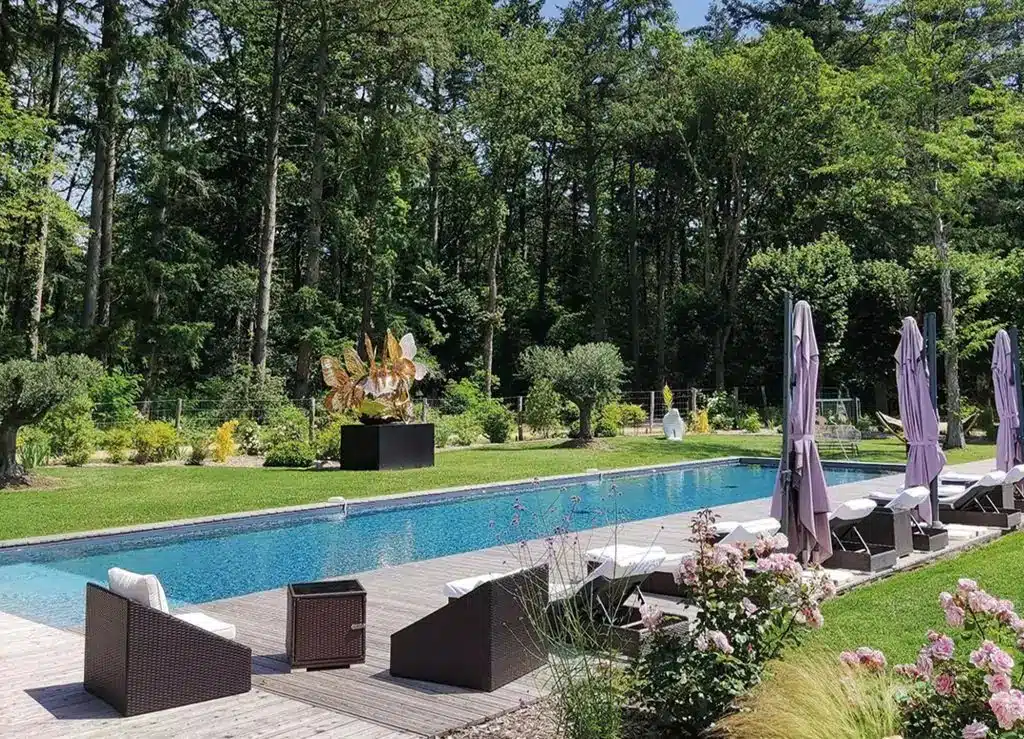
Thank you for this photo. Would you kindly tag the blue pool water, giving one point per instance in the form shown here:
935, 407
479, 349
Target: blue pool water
206, 562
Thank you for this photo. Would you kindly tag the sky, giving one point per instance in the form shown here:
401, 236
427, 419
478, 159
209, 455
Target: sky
691, 12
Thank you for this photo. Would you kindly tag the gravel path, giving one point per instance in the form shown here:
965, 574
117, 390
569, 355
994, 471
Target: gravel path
535, 721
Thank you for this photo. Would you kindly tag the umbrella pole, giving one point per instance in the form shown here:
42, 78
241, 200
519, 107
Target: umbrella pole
931, 356
785, 477
1018, 392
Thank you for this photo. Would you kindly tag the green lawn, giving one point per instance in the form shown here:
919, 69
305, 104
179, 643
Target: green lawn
79, 499
894, 614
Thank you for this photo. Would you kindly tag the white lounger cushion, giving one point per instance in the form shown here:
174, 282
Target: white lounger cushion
952, 493
208, 623
905, 500
144, 589
614, 562
761, 526
1015, 475
853, 510
458, 588
748, 532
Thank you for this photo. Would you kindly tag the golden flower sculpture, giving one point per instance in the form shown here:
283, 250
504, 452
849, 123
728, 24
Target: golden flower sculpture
376, 388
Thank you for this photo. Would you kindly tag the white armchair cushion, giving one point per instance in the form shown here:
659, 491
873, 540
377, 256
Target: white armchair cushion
144, 589
208, 623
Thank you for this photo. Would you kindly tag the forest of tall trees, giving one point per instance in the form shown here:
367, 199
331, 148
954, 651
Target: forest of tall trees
197, 189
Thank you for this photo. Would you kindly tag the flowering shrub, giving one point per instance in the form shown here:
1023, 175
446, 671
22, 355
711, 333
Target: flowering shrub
963, 686
752, 602
224, 441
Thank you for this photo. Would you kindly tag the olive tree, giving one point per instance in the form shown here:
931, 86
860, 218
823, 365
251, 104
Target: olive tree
583, 375
28, 390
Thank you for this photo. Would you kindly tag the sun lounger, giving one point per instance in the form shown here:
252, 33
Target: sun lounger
485, 637
1012, 488
745, 532
987, 502
660, 581
895, 522
850, 550
139, 657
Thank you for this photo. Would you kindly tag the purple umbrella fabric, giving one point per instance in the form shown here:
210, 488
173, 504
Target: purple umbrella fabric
809, 506
1008, 448
925, 459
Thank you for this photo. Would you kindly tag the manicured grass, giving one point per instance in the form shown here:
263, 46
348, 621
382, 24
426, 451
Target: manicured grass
93, 497
894, 614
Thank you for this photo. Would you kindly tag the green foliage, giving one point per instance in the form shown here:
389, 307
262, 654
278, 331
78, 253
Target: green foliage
585, 375
461, 430
495, 420
542, 408
285, 423
34, 447
71, 429
461, 397
721, 411
609, 420
751, 422
199, 443
114, 399
632, 415
155, 441
29, 390
289, 454
698, 422
249, 436
116, 442
327, 443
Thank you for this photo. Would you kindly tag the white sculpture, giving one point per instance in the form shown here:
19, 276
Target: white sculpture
672, 425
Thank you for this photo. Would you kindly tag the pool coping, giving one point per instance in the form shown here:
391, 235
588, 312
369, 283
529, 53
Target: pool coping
412, 497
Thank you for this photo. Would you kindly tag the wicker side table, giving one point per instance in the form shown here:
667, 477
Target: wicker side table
326, 624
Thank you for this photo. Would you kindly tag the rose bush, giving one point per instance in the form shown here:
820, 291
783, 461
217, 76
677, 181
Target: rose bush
968, 685
751, 602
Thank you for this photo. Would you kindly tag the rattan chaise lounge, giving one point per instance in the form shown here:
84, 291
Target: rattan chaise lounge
141, 659
485, 637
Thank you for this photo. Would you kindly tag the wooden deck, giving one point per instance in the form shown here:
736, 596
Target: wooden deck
364, 701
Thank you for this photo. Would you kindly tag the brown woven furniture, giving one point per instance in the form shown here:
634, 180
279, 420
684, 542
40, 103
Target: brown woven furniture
139, 659
326, 624
483, 640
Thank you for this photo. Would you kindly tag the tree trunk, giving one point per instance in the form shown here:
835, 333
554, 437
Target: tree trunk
634, 277
107, 235
664, 266
433, 178
586, 413
6, 39
311, 268
720, 341
269, 226
955, 431
11, 473
492, 305
544, 265
92, 253
599, 305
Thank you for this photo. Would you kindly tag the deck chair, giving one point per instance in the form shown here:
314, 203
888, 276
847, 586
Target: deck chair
485, 637
745, 532
895, 522
983, 503
1012, 484
850, 549
661, 580
598, 599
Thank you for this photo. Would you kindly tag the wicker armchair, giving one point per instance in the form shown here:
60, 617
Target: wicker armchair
483, 640
139, 659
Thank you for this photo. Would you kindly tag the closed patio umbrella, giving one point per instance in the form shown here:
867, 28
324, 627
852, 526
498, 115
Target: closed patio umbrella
1008, 447
805, 502
925, 459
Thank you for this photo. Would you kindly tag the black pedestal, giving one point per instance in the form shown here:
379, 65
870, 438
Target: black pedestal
390, 446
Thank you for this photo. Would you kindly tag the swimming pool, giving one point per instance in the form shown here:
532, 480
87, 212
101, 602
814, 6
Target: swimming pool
204, 562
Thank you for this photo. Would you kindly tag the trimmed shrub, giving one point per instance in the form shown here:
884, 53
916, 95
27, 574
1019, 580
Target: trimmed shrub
70, 427
286, 423
155, 441
249, 436
543, 407
199, 443
751, 423
289, 454
224, 441
327, 443
632, 415
495, 420
117, 442
460, 430
33, 447
609, 421
699, 422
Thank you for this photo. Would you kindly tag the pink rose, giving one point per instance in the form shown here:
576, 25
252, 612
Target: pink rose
748, 606
977, 730
955, 616
942, 648
945, 685
945, 599
1008, 708
849, 658
924, 665
701, 643
721, 642
1000, 661
650, 616
966, 585
813, 617
981, 602
998, 683
909, 671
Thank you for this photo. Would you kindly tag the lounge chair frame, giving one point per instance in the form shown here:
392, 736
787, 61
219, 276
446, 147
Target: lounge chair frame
851, 551
983, 509
139, 659
483, 640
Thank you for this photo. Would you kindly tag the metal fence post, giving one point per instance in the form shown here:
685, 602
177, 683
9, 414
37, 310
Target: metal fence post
735, 402
650, 418
312, 417
177, 415
519, 415
426, 405
693, 400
